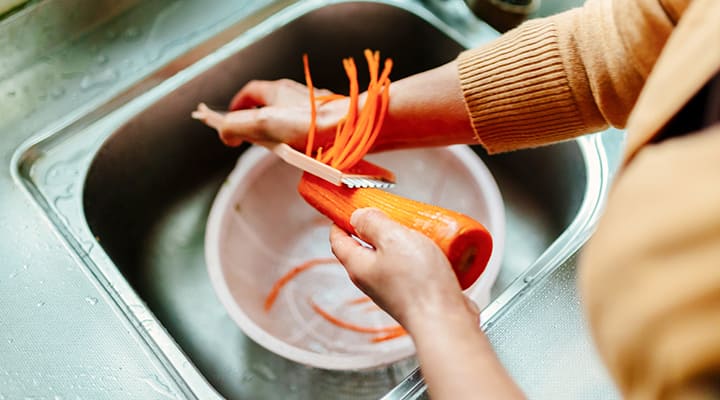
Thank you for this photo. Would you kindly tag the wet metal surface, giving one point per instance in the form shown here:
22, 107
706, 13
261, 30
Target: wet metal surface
114, 288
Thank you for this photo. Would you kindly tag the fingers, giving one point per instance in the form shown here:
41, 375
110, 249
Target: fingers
269, 123
356, 258
259, 93
376, 228
253, 94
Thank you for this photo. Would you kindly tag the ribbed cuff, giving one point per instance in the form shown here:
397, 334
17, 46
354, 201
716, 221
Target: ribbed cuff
517, 92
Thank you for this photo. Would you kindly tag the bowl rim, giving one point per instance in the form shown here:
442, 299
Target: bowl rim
252, 163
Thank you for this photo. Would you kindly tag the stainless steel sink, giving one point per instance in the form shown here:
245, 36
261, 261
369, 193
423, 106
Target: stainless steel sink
129, 184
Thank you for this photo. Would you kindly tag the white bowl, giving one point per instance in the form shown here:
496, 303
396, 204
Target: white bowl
259, 228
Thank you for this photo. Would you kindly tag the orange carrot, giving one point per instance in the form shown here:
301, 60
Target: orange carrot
465, 242
349, 325
359, 300
313, 108
280, 283
372, 308
356, 133
329, 97
394, 334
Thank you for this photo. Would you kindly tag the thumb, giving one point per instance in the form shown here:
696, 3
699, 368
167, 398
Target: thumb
376, 228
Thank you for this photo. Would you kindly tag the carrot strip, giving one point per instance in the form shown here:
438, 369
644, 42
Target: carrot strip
313, 107
357, 132
389, 336
372, 307
359, 300
329, 97
366, 118
280, 283
349, 325
346, 134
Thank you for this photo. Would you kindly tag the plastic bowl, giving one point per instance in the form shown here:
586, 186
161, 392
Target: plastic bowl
259, 228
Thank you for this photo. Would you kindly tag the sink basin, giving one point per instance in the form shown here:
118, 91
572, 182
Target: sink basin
129, 185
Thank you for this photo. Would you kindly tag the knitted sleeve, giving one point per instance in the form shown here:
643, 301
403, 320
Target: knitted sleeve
559, 77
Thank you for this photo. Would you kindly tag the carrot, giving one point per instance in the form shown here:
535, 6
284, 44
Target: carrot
349, 325
280, 283
359, 300
356, 133
329, 97
393, 334
465, 242
313, 107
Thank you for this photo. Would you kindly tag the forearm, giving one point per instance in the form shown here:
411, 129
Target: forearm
426, 109
458, 362
556, 78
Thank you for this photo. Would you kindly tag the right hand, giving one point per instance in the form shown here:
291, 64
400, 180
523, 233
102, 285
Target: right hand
279, 111
406, 273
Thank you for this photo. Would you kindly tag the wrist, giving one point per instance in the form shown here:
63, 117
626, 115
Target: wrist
456, 319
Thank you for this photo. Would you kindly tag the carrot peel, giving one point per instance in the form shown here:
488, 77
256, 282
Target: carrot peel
280, 283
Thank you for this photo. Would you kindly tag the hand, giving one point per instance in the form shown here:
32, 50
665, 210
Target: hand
279, 111
426, 109
406, 274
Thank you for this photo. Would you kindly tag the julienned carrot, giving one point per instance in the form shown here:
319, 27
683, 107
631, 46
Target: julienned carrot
280, 283
394, 334
358, 300
356, 133
349, 325
355, 151
328, 98
313, 107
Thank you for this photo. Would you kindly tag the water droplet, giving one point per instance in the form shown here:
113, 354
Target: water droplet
12, 274
131, 33
91, 300
41, 304
102, 59
154, 382
11, 340
264, 372
102, 78
57, 92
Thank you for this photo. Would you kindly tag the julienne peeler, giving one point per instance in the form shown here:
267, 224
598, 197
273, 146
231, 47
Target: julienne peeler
363, 175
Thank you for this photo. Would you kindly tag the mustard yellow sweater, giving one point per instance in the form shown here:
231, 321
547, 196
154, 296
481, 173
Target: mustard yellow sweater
650, 276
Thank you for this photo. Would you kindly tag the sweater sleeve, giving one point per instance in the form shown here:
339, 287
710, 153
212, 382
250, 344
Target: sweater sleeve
555, 78
650, 276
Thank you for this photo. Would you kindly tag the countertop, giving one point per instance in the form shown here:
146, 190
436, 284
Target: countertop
60, 338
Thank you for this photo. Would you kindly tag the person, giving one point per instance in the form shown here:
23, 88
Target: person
649, 277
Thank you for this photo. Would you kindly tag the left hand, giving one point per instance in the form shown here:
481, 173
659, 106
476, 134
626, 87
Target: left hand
406, 273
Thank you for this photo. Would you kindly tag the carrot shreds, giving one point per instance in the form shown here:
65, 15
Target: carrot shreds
349, 325
358, 300
394, 334
370, 138
372, 307
313, 107
357, 132
366, 118
328, 98
280, 283
346, 135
